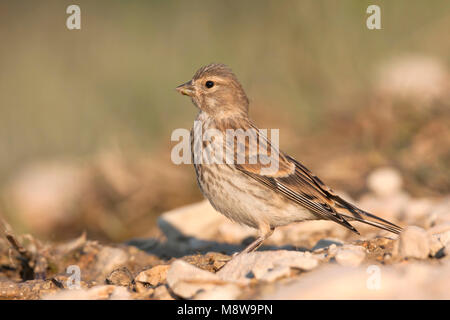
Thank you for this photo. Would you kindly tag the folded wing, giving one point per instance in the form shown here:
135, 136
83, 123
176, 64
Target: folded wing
298, 184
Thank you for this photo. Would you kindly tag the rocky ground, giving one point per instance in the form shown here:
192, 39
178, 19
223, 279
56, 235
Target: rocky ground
191, 259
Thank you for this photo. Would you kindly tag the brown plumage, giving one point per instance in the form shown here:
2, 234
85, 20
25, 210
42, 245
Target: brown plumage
244, 186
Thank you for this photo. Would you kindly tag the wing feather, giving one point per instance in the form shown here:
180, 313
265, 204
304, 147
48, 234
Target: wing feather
298, 184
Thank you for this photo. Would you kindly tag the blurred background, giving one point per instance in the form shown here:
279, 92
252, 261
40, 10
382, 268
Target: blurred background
86, 115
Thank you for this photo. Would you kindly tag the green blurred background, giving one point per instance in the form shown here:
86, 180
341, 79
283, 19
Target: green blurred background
86, 115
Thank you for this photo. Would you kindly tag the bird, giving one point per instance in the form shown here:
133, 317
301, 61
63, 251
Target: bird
244, 187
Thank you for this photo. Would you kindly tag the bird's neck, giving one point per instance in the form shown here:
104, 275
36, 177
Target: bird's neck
224, 121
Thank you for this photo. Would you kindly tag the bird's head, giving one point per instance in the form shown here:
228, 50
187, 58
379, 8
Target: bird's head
216, 90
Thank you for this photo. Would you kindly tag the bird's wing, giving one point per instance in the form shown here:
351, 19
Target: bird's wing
298, 184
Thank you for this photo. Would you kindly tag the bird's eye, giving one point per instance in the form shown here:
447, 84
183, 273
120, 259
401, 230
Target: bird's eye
209, 84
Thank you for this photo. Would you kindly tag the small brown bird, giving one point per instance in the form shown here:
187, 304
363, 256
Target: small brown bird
250, 192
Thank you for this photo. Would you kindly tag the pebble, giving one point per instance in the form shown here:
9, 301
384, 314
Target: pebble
244, 267
326, 243
186, 280
414, 280
385, 181
109, 259
120, 277
414, 242
436, 247
162, 293
350, 255
153, 276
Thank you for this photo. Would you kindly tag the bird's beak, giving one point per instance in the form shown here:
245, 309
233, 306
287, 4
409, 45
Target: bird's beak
186, 88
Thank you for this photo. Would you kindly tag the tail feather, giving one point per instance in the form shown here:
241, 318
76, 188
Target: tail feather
388, 227
355, 214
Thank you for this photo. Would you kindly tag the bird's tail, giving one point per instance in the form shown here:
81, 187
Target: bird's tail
352, 213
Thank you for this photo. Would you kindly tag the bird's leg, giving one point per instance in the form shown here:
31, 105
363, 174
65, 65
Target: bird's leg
264, 232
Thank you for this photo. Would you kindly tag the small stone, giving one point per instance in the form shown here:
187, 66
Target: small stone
326, 243
162, 293
143, 290
413, 242
385, 181
439, 242
411, 281
444, 238
256, 264
186, 280
212, 261
218, 259
350, 255
153, 276
332, 250
108, 259
436, 246
120, 277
